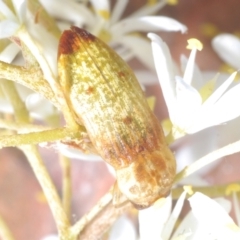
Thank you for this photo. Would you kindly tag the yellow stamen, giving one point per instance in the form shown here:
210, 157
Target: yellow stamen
208, 88
104, 14
194, 43
233, 227
159, 203
172, 2
188, 189
234, 187
105, 36
41, 197
167, 125
151, 2
209, 30
237, 34
151, 102
228, 69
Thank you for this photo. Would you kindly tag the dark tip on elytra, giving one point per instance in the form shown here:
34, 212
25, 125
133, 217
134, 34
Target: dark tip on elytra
70, 40
85, 35
67, 43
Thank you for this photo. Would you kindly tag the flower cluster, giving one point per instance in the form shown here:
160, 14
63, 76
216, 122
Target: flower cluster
29, 34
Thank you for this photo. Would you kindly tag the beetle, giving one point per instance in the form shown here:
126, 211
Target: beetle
106, 97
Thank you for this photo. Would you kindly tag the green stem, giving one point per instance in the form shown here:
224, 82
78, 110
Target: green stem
103, 203
39, 137
49, 190
66, 192
29, 77
21, 113
7, 124
99, 219
49, 76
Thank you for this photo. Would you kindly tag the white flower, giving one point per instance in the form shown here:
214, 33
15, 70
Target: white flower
227, 46
123, 229
157, 222
51, 237
213, 221
9, 22
38, 107
189, 110
108, 26
77, 154
208, 219
153, 219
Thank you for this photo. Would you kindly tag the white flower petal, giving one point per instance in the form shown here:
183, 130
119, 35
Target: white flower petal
7, 12
39, 107
20, 7
197, 78
77, 154
187, 96
123, 229
152, 220
69, 11
118, 10
188, 104
48, 48
125, 53
135, 43
220, 90
111, 170
226, 108
9, 53
236, 207
213, 219
188, 226
8, 28
51, 237
101, 5
148, 9
167, 231
193, 147
183, 236
194, 179
226, 204
23, 91
188, 73
5, 106
165, 71
227, 47
147, 24
146, 77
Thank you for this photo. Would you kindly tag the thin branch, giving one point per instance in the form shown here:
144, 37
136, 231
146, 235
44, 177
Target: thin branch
31, 78
95, 223
20, 110
67, 190
40, 137
49, 76
22, 127
49, 190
